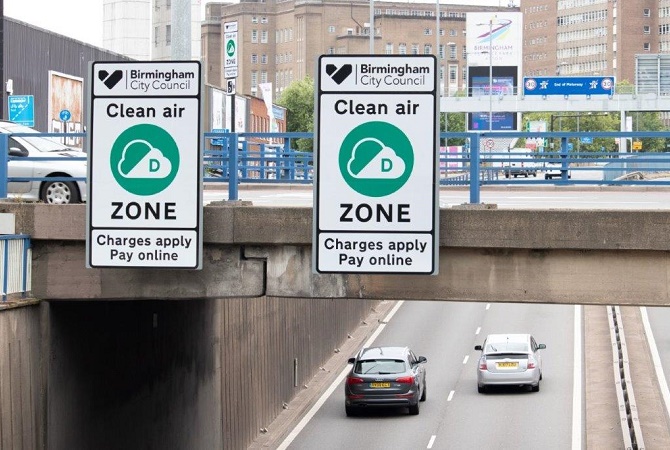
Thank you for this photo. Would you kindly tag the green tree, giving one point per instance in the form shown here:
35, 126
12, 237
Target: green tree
298, 99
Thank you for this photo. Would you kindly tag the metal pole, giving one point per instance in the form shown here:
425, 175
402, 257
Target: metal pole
437, 39
490, 74
372, 27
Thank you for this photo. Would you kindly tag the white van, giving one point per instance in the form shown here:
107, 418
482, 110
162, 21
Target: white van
520, 163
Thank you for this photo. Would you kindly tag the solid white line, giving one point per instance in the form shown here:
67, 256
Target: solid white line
665, 392
488, 306
577, 382
465, 360
478, 330
431, 442
319, 403
451, 395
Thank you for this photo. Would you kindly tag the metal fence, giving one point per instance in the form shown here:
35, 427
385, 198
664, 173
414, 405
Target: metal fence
558, 159
15, 265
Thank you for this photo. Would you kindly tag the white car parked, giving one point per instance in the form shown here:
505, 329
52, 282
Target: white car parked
56, 191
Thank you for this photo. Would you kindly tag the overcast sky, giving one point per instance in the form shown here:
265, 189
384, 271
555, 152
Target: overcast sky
82, 19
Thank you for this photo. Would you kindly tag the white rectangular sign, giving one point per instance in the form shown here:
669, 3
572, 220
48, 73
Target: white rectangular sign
376, 207
144, 204
230, 49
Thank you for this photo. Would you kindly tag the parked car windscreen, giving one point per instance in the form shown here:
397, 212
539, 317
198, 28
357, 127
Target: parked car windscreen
43, 144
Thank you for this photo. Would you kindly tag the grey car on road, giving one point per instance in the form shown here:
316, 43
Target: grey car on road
509, 360
385, 377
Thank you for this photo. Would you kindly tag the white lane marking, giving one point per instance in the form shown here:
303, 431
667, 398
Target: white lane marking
431, 442
451, 395
577, 382
319, 403
478, 330
488, 306
465, 360
660, 375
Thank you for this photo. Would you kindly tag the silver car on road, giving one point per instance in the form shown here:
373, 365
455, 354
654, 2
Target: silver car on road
509, 360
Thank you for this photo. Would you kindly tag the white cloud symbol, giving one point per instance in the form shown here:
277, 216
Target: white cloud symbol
386, 164
152, 165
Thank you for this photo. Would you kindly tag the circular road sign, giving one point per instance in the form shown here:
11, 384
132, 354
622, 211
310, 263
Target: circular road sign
230, 48
144, 159
376, 159
489, 143
65, 115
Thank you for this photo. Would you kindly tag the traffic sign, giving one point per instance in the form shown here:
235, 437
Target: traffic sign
637, 145
144, 204
230, 86
21, 109
65, 115
376, 208
568, 85
230, 49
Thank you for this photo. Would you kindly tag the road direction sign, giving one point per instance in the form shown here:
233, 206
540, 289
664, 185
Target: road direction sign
21, 109
144, 204
376, 208
568, 85
230, 49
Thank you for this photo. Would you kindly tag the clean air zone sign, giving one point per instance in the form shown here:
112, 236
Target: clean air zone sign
376, 208
144, 204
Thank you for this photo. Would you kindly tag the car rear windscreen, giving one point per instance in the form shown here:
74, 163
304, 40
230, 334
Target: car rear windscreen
380, 366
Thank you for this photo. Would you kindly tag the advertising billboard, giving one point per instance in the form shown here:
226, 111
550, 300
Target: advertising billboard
65, 111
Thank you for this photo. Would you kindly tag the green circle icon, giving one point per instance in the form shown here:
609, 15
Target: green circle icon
230, 48
376, 159
144, 159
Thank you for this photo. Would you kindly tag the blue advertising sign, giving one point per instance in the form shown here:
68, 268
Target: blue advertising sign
568, 85
21, 109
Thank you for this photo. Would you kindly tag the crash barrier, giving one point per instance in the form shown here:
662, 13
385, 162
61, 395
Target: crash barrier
15, 264
466, 158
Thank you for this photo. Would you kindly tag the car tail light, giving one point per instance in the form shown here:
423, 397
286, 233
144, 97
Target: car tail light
482, 364
405, 380
531, 364
354, 380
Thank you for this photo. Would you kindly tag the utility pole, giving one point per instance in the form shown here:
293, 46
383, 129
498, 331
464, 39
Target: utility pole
2, 57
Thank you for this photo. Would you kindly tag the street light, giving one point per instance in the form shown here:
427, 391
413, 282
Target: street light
490, 74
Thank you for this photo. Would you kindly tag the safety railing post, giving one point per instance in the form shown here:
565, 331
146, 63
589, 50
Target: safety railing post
233, 179
474, 168
4, 152
564, 159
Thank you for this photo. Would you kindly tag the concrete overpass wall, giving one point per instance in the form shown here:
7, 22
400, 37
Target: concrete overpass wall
22, 422
196, 374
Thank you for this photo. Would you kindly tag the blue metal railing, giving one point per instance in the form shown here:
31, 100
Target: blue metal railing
238, 158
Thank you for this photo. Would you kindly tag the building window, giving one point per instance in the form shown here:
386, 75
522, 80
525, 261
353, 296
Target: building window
254, 36
264, 76
156, 36
254, 79
452, 32
427, 31
452, 74
331, 50
441, 51
331, 29
264, 20
389, 48
264, 36
646, 12
254, 58
646, 46
441, 31
264, 58
646, 29
452, 51
402, 49
168, 3
168, 34
427, 49
415, 49
254, 19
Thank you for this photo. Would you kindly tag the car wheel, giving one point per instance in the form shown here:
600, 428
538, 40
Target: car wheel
423, 394
535, 388
506, 174
534, 174
414, 409
350, 411
59, 192
547, 177
481, 389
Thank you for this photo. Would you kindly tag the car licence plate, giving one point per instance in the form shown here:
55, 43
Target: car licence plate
380, 385
507, 365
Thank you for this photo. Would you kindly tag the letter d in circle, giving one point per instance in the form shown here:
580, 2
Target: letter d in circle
154, 165
387, 165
